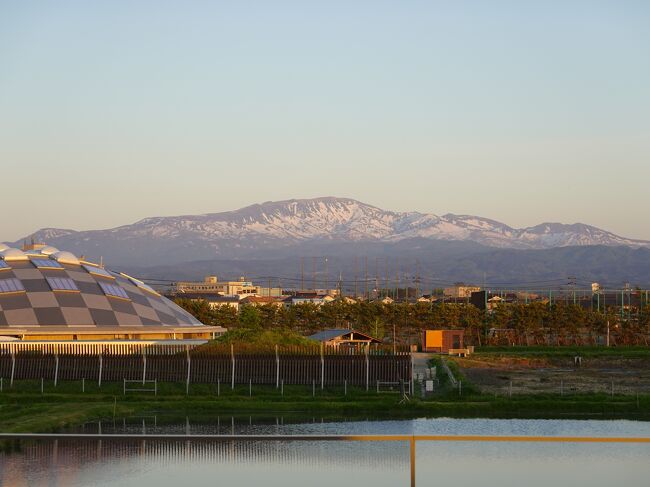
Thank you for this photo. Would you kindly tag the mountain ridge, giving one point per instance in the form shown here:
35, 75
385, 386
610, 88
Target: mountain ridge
273, 225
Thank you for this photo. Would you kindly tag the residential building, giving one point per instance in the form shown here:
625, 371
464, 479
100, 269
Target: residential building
212, 285
460, 291
213, 300
262, 301
317, 300
270, 291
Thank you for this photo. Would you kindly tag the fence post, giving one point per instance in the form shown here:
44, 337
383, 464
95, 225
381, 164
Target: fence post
13, 369
460, 388
367, 370
277, 368
144, 366
250, 387
510, 390
282, 387
124, 387
56, 369
313, 388
377, 387
345, 386
155, 387
232, 356
322, 367
41, 385
189, 364
101, 363
218, 387
412, 388
83, 384
2, 384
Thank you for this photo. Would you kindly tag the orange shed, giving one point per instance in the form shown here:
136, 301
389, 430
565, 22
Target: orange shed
442, 340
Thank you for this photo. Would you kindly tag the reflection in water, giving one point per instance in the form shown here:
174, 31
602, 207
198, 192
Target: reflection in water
181, 463
66, 462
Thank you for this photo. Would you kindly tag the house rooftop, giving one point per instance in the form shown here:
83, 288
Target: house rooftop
261, 299
210, 298
327, 335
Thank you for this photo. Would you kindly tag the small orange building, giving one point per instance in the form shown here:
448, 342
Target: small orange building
442, 340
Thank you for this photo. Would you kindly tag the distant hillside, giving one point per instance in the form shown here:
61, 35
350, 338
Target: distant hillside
273, 229
437, 266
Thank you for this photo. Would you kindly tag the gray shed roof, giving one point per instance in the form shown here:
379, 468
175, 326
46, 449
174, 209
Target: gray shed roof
326, 335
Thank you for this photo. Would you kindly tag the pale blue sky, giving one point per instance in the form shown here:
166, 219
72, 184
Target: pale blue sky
519, 111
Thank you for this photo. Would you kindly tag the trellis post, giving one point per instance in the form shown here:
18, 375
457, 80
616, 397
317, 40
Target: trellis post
56, 369
277, 368
189, 364
13, 369
144, 366
367, 370
232, 357
101, 364
412, 381
322, 367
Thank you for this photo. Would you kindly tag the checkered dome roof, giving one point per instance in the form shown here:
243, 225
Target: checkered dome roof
35, 295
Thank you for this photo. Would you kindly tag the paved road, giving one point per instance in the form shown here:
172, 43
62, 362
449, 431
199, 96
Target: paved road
420, 364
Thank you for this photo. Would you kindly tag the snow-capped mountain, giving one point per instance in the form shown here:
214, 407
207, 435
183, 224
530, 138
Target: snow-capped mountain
261, 228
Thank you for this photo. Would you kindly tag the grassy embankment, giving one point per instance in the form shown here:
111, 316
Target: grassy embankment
24, 409
567, 352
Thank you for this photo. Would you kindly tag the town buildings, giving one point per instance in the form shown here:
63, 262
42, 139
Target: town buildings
460, 291
211, 285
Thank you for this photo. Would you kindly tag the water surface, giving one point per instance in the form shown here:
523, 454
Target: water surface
151, 463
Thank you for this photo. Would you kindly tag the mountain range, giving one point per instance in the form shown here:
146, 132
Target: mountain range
276, 231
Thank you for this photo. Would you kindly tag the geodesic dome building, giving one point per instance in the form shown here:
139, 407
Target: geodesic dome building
48, 294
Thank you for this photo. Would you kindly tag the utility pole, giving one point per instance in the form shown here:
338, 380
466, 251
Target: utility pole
387, 285
327, 276
340, 285
376, 277
365, 280
356, 277
572, 286
396, 278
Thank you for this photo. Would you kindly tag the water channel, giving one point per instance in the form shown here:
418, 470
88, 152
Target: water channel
162, 462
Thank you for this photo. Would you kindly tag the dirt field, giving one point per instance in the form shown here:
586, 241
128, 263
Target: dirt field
499, 375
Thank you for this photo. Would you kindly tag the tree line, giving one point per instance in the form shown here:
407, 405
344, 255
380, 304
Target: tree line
508, 324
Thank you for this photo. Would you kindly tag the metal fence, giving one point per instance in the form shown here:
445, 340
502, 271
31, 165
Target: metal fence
325, 367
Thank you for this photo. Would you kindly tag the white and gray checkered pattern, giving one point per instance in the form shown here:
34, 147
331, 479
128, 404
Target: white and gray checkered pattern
39, 306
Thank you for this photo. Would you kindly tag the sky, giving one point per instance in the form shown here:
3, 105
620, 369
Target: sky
522, 112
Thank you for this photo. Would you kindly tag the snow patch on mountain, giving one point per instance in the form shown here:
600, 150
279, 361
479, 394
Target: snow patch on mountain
281, 224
